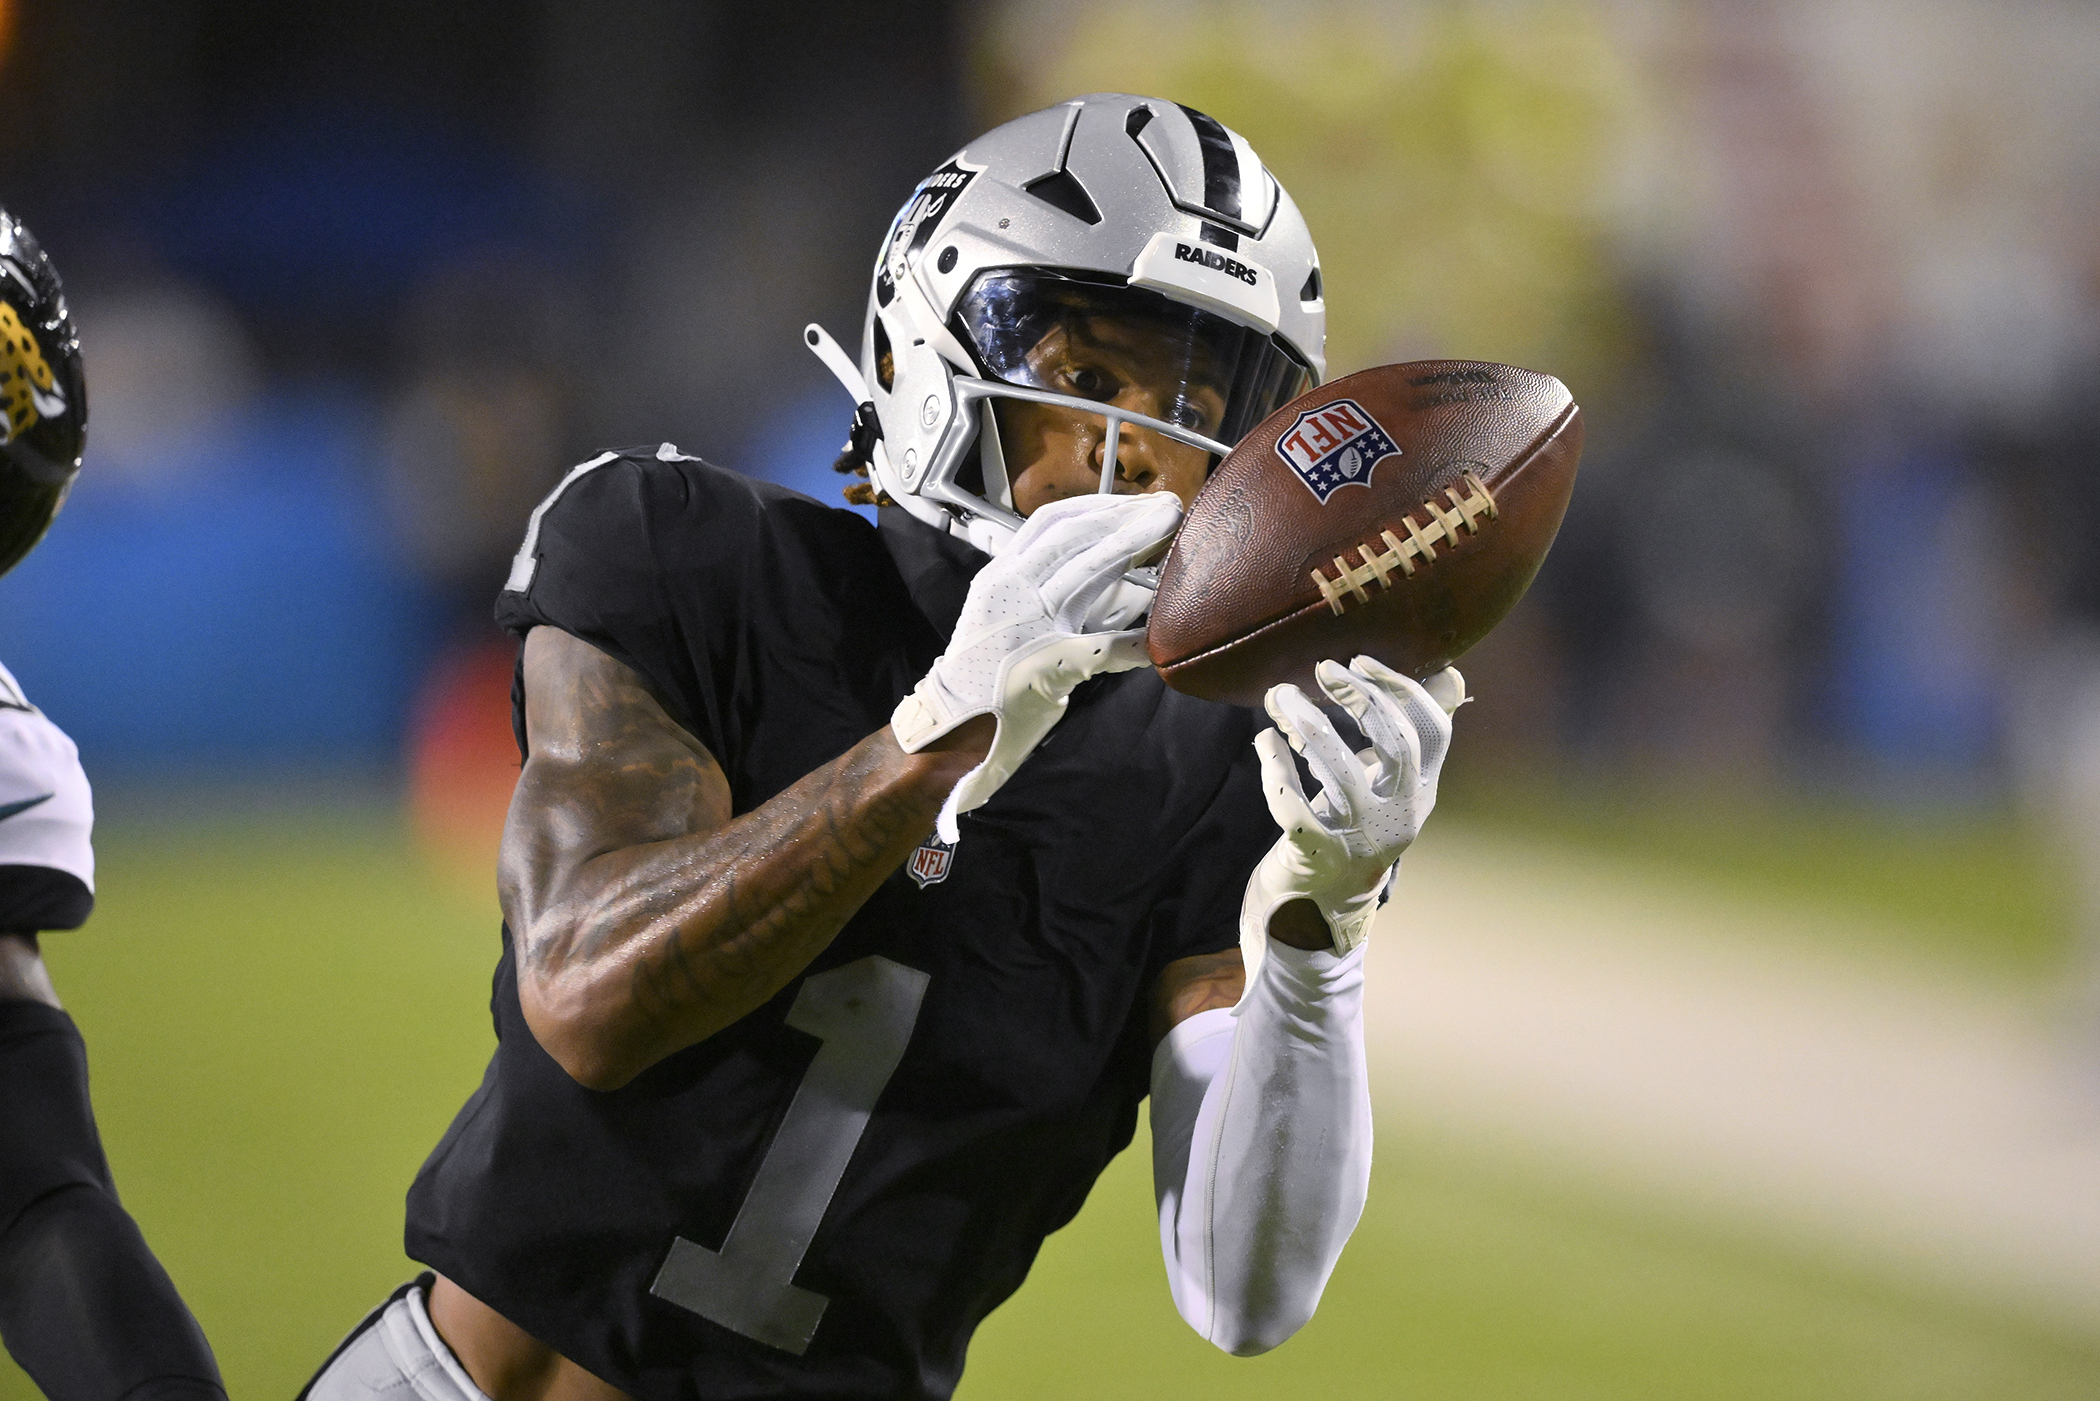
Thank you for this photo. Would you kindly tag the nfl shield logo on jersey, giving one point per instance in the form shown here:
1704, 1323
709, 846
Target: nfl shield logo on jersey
1333, 446
929, 864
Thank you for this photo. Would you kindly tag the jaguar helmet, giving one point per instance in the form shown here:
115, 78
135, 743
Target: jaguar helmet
43, 397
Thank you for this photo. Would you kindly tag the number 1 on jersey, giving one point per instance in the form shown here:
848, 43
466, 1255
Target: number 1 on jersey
863, 1012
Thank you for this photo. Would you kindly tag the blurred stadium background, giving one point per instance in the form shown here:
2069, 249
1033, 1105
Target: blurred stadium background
1739, 1030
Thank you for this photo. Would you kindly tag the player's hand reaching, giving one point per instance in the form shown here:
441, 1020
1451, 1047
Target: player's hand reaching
1338, 847
1022, 644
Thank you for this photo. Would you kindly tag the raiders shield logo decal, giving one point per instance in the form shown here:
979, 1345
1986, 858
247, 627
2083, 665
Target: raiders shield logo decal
916, 221
929, 864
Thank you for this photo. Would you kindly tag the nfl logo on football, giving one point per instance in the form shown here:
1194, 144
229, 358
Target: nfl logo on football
929, 864
1333, 446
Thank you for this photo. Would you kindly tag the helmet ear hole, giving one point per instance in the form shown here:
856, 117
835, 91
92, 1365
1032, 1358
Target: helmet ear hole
996, 487
969, 473
885, 360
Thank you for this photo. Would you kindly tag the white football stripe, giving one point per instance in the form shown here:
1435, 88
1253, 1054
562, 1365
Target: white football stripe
526, 561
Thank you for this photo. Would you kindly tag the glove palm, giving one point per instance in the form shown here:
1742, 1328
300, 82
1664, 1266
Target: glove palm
1022, 644
1339, 847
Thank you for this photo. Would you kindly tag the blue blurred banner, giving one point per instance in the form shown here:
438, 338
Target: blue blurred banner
795, 446
239, 610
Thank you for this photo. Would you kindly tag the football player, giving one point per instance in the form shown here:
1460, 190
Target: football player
85, 1309
860, 883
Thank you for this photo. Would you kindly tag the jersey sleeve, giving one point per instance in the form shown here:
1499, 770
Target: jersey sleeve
646, 556
47, 857
1212, 864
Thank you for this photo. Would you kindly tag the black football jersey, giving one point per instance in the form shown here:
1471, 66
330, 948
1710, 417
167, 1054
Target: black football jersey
826, 1198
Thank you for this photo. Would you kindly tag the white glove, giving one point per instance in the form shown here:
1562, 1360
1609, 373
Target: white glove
1021, 644
1338, 849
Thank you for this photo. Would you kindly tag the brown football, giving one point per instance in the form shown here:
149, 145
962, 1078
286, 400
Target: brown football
1399, 511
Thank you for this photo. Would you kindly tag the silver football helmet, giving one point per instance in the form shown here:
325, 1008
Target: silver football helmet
1108, 206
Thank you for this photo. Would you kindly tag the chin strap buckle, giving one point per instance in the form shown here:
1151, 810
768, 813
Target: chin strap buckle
858, 451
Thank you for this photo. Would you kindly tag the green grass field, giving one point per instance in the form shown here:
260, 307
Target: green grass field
1974, 886
283, 1010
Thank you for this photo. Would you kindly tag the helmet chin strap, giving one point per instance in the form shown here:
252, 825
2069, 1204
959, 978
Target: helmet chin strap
845, 371
848, 374
1130, 597
987, 535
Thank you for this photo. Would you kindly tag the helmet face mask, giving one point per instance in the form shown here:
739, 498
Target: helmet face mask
43, 396
1120, 266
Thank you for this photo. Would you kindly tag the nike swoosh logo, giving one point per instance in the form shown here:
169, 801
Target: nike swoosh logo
8, 810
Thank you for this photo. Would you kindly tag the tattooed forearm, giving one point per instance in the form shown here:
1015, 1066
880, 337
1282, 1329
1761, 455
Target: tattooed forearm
1195, 984
646, 916
780, 869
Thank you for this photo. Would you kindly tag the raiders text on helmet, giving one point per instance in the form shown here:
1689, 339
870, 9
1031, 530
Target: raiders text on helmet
43, 399
1105, 206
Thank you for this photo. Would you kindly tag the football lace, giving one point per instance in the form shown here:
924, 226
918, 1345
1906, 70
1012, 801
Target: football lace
1468, 509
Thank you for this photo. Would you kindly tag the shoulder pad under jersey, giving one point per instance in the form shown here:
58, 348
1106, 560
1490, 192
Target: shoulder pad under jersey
47, 811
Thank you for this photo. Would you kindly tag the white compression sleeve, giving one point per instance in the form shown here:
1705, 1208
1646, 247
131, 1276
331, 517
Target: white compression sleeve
1261, 1147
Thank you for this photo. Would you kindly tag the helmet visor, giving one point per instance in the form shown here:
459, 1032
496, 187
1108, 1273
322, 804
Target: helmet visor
1129, 347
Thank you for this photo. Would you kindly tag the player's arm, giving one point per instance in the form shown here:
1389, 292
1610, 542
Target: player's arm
23, 977
85, 1308
646, 916
1261, 1114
